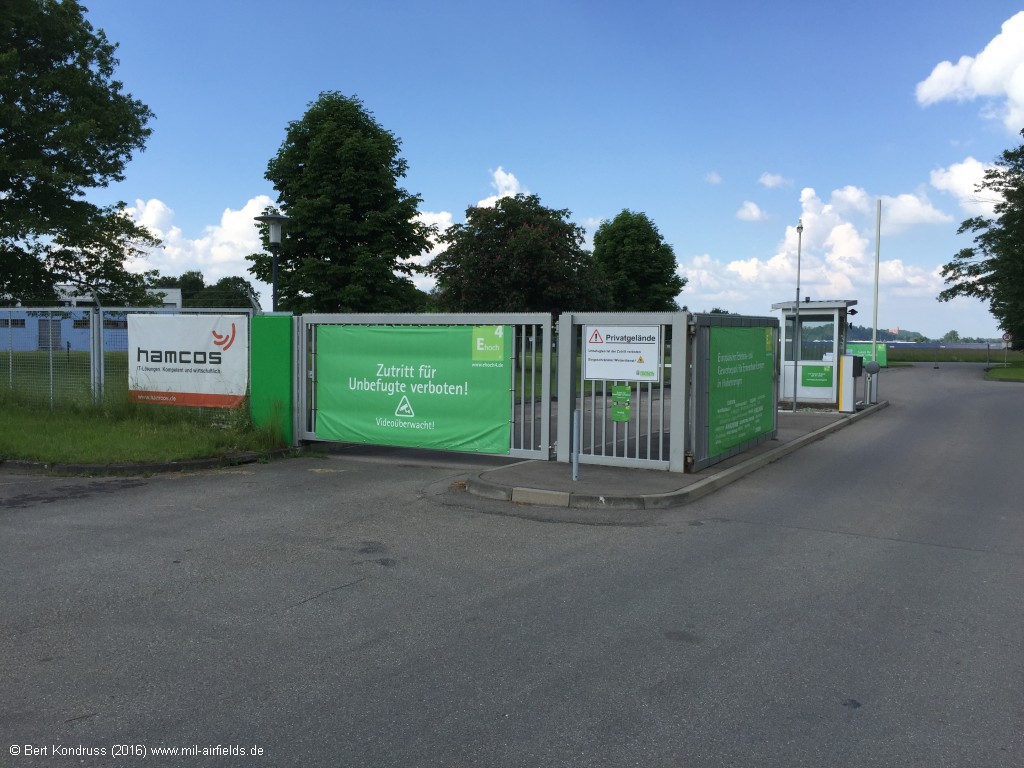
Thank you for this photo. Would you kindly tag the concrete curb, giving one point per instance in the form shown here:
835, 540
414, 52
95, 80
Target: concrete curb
477, 486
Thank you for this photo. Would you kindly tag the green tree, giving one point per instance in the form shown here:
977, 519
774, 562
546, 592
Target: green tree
517, 256
352, 229
639, 265
191, 283
993, 269
226, 292
65, 127
951, 337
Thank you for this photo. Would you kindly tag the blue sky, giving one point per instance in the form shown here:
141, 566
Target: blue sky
726, 123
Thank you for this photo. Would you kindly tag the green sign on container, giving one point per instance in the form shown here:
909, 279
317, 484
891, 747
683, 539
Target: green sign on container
816, 375
441, 387
864, 350
740, 381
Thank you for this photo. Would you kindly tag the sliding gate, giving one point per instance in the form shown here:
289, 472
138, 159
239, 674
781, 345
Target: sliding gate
465, 382
616, 370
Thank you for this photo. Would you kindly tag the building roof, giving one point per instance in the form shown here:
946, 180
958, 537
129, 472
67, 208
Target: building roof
830, 304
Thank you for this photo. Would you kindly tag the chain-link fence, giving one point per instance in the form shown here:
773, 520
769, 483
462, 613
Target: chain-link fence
45, 355
71, 356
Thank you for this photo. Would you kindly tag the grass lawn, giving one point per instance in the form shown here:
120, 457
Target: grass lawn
1013, 373
129, 434
993, 359
909, 354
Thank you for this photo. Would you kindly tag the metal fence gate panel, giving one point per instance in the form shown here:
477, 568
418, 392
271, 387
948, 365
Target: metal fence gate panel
651, 434
530, 385
45, 355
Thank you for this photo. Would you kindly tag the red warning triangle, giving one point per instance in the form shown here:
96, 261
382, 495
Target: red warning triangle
595, 337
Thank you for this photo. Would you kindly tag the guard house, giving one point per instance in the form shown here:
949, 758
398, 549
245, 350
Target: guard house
821, 341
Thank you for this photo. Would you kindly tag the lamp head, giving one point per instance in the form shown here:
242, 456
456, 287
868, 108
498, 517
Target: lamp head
273, 222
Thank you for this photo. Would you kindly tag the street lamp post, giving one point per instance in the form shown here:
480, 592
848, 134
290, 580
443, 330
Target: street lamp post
796, 312
274, 222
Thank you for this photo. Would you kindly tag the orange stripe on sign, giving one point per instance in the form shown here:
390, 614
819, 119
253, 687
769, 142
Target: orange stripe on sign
190, 399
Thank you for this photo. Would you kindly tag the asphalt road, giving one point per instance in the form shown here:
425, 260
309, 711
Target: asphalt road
858, 603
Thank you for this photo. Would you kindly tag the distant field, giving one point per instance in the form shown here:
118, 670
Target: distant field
908, 354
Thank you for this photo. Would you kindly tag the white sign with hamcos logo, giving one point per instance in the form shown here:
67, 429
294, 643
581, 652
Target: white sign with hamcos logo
189, 360
621, 352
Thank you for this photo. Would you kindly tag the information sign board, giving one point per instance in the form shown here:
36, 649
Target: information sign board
816, 375
188, 360
864, 349
622, 353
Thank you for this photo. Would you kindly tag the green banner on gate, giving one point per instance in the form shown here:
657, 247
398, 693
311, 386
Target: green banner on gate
740, 386
438, 386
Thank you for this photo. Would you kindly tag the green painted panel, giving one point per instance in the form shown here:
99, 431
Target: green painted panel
740, 382
271, 388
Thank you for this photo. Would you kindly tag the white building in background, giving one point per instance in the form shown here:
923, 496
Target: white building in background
69, 296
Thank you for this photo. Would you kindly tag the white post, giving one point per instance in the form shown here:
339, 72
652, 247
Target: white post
878, 247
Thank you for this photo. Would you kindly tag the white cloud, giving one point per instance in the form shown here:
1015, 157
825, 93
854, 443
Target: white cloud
961, 180
903, 211
442, 220
707, 284
505, 185
995, 73
836, 248
220, 252
773, 180
713, 177
851, 200
750, 212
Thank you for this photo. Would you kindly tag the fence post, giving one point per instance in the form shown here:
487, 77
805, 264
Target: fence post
679, 396
96, 354
566, 384
49, 351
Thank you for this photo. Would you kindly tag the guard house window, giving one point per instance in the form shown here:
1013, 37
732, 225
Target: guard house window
17, 322
817, 337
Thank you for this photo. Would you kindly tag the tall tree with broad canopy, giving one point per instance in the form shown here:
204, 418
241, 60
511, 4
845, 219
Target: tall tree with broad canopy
66, 127
352, 231
639, 265
517, 256
993, 269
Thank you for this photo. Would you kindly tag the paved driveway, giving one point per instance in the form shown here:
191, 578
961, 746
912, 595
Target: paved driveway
856, 603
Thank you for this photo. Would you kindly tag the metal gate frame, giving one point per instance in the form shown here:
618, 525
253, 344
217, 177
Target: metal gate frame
530, 417
569, 375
